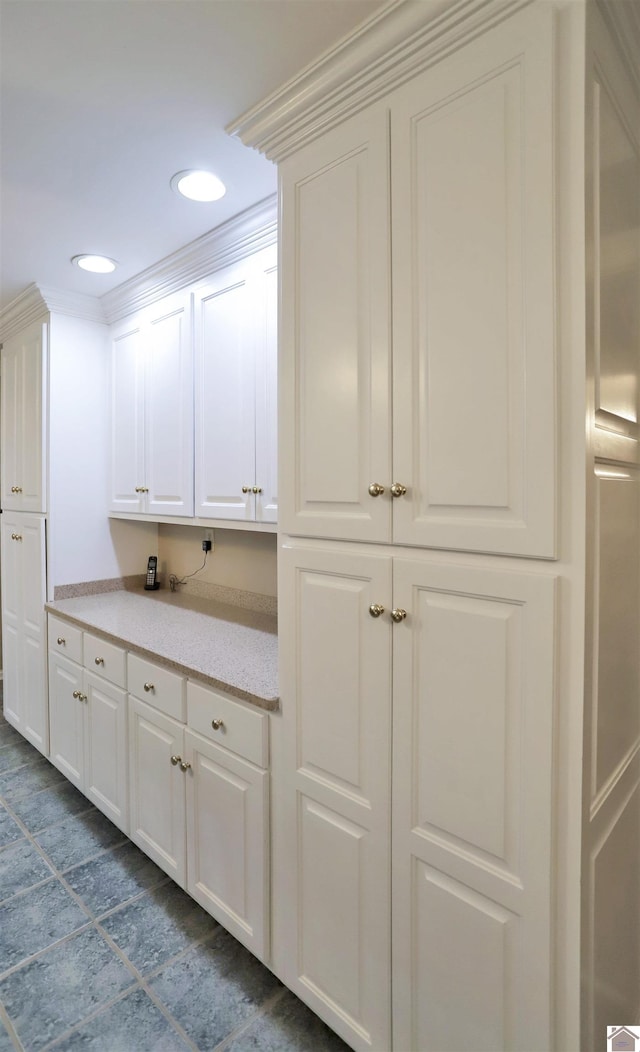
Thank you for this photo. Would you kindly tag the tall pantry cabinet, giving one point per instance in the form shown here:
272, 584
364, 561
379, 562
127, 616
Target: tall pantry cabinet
433, 802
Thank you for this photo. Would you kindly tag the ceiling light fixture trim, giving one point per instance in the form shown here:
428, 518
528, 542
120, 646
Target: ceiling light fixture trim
94, 264
198, 185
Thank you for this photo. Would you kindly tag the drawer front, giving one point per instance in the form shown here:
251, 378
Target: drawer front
157, 686
228, 723
106, 659
65, 639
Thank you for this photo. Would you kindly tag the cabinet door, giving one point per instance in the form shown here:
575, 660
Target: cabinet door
227, 840
331, 776
105, 749
266, 344
473, 295
335, 387
225, 396
473, 671
66, 718
168, 417
24, 626
23, 425
127, 420
157, 788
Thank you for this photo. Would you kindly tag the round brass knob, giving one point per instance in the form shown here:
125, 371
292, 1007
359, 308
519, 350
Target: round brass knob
398, 490
246, 489
16, 536
82, 697
61, 642
76, 694
99, 661
184, 766
375, 489
18, 489
376, 609
217, 724
13, 489
175, 760
148, 687
398, 615
256, 489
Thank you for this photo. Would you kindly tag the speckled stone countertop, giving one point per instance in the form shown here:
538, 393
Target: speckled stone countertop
223, 646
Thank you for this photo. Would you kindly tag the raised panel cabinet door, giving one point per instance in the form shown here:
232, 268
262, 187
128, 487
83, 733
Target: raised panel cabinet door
105, 748
168, 417
473, 295
335, 336
228, 840
127, 417
473, 719
331, 869
157, 788
225, 395
11, 563
27, 536
67, 715
266, 342
23, 424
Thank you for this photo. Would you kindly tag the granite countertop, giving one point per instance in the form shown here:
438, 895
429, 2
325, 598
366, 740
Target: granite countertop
223, 646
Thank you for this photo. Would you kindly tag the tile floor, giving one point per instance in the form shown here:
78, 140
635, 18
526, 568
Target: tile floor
99, 950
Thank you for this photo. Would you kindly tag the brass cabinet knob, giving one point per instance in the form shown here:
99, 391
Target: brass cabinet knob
246, 489
398, 490
256, 489
376, 490
398, 615
16, 536
148, 687
142, 489
16, 489
376, 609
99, 661
81, 696
76, 694
217, 724
185, 765
61, 642
175, 760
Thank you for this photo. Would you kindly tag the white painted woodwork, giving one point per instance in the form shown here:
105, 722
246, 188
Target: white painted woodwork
23, 420
152, 410
106, 777
227, 840
335, 378
157, 788
236, 727
106, 659
235, 348
473, 728
24, 627
64, 638
66, 718
611, 784
332, 871
157, 686
473, 296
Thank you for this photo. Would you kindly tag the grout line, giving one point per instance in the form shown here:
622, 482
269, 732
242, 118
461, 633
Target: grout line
264, 1009
11, 1030
56, 1041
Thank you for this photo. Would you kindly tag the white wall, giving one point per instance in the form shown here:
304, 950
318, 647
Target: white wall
239, 560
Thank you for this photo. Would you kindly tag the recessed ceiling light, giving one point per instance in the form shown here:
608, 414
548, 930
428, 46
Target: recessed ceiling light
198, 185
96, 264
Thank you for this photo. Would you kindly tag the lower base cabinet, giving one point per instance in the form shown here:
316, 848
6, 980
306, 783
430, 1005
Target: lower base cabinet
199, 809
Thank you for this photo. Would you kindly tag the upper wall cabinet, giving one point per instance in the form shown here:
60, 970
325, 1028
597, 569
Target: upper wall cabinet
152, 404
463, 347
23, 426
236, 391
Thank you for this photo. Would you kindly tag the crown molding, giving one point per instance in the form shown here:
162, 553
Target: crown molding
622, 19
37, 301
228, 243
404, 38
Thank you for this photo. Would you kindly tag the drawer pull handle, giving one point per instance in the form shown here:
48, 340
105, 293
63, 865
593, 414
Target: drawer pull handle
61, 641
175, 760
148, 687
99, 661
185, 765
217, 724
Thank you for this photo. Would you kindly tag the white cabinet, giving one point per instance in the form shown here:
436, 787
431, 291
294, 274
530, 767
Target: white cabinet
236, 391
469, 799
24, 646
152, 410
199, 801
88, 719
22, 442
461, 343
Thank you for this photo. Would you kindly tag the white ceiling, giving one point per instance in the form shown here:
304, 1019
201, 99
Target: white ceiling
102, 101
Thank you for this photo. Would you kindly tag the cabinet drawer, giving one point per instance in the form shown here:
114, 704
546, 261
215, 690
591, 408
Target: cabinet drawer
65, 639
241, 729
157, 686
106, 659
